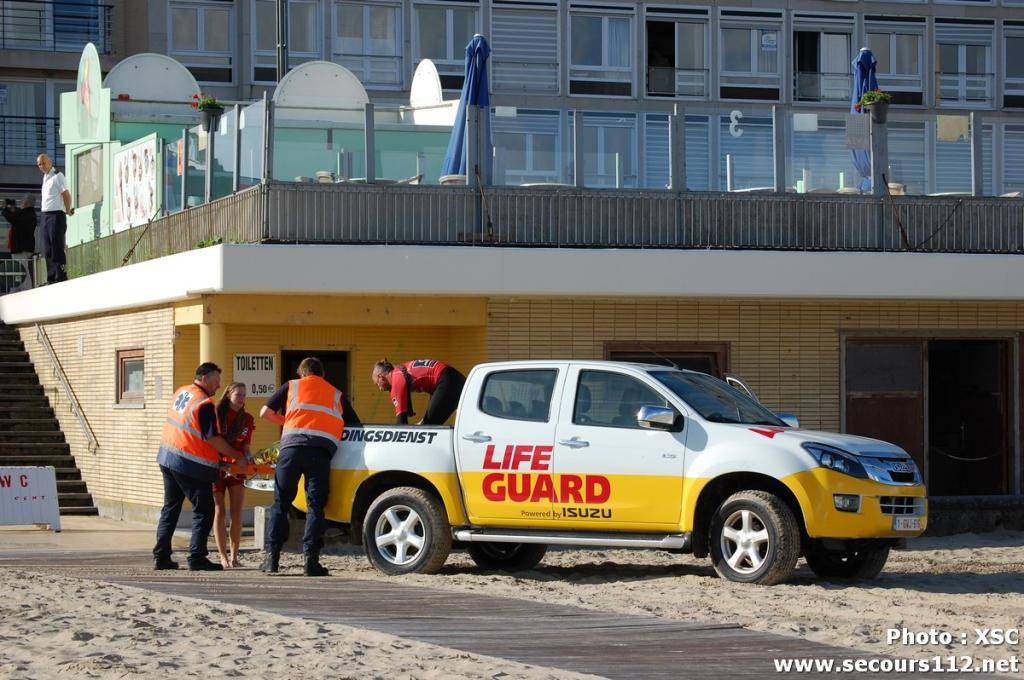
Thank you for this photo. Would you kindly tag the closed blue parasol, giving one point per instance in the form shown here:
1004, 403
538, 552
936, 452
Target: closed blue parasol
863, 80
474, 93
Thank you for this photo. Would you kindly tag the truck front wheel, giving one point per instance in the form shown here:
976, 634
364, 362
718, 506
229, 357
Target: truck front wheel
755, 538
406, 531
851, 564
507, 556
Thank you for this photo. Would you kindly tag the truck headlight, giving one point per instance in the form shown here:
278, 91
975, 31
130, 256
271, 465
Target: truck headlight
836, 459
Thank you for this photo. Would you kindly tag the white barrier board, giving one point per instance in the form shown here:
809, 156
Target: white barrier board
28, 495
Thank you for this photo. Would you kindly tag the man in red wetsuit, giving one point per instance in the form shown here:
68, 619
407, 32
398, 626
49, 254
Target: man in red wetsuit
442, 382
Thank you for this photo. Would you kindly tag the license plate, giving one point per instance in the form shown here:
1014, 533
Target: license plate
906, 523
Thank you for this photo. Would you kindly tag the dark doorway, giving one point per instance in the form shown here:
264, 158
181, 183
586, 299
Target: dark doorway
707, 357
335, 365
885, 392
661, 58
967, 417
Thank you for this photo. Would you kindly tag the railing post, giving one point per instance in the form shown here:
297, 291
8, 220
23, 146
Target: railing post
579, 172
368, 143
469, 147
778, 149
879, 157
268, 140
211, 136
618, 170
977, 160
236, 156
677, 150
728, 172
498, 178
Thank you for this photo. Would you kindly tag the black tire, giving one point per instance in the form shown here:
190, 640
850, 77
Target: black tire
430, 526
506, 556
777, 555
853, 564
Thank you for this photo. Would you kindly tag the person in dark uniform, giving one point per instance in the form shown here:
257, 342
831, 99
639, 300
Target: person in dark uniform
312, 413
190, 461
442, 382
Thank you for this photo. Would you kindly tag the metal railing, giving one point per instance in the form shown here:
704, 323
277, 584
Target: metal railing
69, 393
666, 81
964, 88
813, 86
55, 26
22, 138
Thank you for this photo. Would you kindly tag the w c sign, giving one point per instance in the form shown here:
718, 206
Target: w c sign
28, 495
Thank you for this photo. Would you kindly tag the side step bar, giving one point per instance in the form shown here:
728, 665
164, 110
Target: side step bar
611, 540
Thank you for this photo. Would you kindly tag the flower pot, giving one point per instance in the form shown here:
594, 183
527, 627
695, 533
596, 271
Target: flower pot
879, 111
209, 116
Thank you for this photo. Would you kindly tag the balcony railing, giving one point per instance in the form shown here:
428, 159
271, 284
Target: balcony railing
25, 137
665, 81
969, 89
811, 86
280, 212
54, 26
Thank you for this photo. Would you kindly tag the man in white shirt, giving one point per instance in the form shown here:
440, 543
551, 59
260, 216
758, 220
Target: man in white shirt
56, 207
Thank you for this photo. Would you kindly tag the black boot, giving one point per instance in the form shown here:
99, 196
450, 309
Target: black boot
162, 563
271, 562
313, 566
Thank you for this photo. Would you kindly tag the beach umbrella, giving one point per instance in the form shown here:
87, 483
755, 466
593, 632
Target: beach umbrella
863, 80
474, 93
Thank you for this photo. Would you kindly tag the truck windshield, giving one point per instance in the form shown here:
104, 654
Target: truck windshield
714, 400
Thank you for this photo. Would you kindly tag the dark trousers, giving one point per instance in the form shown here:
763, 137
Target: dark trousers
178, 487
314, 464
55, 228
445, 398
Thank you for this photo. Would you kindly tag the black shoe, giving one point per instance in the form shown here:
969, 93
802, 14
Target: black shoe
313, 566
204, 565
165, 563
271, 563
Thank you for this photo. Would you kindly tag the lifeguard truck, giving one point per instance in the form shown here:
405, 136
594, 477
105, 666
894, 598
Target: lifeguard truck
608, 454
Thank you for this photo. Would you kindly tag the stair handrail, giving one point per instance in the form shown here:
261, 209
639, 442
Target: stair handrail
58, 370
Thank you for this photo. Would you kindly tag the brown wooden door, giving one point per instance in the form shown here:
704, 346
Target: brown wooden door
885, 392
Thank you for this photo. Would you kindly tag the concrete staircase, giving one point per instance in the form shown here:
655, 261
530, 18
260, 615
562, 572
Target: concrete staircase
29, 431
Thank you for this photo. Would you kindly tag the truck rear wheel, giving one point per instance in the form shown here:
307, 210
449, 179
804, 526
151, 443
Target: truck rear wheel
851, 564
406, 531
755, 538
507, 556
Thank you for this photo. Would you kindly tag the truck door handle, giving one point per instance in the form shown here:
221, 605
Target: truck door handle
477, 437
574, 443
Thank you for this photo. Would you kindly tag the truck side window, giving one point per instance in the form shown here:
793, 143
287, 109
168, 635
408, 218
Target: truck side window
519, 395
612, 399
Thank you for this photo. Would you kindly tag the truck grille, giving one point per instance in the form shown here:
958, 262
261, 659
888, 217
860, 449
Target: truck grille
901, 505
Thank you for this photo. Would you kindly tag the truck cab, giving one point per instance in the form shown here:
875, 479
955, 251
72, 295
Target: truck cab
596, 453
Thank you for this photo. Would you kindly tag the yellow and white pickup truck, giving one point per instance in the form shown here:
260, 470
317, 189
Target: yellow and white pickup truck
597, 453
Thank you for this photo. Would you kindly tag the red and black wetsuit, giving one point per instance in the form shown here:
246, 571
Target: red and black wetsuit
442, 382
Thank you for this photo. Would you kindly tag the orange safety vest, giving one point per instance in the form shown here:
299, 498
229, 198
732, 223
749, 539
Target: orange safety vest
314, 409
182, 434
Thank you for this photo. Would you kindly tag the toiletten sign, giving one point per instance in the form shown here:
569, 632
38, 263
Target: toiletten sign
258, 372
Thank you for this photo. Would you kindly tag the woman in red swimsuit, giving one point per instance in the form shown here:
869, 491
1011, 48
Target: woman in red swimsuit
236, 426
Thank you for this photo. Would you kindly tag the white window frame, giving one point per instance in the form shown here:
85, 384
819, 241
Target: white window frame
455, 63
496, 84
230, 54
366, 5
755, 79
257, 62
962, 77
826, 79
1012, 85
588, 121
627, 72
705, 72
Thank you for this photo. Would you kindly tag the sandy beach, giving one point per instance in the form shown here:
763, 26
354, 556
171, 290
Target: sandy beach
956, 584
55, 626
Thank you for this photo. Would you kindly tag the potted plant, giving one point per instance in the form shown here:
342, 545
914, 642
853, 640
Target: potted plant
876, 102
210, 110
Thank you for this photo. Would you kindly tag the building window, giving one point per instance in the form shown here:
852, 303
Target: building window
899, 64
610, 146
1014, 61
526, 42
821, 62
963, 64
530, 144
442, 34
367, 42
304, 36
131, 370
601, 55
677, 59
705, 357
200, 37
749, 60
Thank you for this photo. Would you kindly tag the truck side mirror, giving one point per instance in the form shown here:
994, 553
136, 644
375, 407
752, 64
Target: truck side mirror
657, 418
788, 419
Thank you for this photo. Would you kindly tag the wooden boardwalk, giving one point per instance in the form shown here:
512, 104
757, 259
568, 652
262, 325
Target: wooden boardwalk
562, 637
